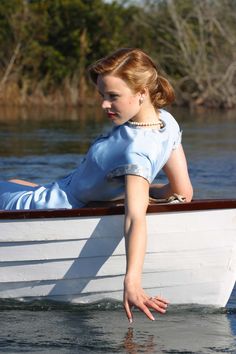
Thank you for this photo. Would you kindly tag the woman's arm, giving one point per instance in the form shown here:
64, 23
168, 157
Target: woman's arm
22, 182
176, 171
136, 203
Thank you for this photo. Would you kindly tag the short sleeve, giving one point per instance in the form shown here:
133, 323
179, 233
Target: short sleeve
139, 165
172, 128
177, 140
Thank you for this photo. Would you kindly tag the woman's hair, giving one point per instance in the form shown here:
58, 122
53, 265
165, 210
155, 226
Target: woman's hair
139, 71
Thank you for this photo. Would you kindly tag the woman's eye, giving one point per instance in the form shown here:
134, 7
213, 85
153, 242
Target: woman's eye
110, 96
113, 96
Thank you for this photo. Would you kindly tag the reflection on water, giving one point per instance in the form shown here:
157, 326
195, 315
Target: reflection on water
43, 113
45, 131
134, 346
76, 329
45, 144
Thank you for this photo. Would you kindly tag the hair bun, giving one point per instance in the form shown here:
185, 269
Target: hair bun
164, 93
138, 70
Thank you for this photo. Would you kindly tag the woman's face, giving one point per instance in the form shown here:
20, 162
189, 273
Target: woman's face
118, 100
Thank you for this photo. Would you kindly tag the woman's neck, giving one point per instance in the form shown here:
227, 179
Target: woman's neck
147, 114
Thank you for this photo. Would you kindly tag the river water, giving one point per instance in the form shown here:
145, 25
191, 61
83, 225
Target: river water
43, 145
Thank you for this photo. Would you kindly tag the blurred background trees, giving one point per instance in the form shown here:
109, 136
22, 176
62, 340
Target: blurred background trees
46, 46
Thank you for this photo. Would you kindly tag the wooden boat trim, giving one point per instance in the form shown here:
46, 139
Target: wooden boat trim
206, 204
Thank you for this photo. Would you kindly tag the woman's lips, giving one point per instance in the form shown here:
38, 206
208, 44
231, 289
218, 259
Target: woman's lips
111, 114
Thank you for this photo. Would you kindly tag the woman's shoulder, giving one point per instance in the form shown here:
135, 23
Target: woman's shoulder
169, 121
168, 118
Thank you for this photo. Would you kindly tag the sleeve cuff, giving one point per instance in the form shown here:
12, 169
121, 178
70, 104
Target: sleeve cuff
130, 170
178, 140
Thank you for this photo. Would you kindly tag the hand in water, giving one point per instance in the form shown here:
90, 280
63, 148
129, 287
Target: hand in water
136, 296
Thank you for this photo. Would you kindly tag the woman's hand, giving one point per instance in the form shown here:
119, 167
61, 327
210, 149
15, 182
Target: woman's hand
136, 203
134, 295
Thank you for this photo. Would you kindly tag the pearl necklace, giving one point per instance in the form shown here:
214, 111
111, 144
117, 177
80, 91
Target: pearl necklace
143, 124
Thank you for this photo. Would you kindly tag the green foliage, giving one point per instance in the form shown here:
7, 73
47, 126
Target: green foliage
48, 43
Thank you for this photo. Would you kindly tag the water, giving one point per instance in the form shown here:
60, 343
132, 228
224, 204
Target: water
44, 145
102, 328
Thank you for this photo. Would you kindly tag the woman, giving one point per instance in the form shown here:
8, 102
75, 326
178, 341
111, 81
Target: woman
123, 163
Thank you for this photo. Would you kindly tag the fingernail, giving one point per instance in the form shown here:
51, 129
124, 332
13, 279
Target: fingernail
130, 320
153, 318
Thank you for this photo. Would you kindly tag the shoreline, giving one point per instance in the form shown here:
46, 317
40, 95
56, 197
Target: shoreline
11, 95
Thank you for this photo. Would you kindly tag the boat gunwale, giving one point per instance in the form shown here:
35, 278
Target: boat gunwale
93, 211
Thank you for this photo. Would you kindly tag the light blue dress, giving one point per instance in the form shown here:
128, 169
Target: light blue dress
127, 149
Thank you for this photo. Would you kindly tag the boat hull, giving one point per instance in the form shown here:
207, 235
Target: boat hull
79, 257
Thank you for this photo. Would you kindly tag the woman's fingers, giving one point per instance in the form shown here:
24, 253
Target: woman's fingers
142, 307
161, 299
147, 312
144, 304
157, 305
153, 303
128, 311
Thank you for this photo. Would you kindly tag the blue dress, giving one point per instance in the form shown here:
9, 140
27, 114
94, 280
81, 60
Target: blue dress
127, 149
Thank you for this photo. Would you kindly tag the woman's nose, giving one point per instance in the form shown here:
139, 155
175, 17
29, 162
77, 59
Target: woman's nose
106, 104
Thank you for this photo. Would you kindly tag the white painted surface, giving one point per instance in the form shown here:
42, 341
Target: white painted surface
191, 257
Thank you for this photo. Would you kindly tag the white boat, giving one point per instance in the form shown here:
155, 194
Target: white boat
78, 255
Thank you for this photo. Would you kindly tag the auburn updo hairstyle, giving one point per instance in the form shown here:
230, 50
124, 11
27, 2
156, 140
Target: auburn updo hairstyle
139, 71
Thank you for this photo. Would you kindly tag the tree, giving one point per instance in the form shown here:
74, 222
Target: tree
46, 46
198, 49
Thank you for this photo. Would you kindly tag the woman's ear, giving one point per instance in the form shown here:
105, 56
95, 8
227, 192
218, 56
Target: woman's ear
141, 99
143, 94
